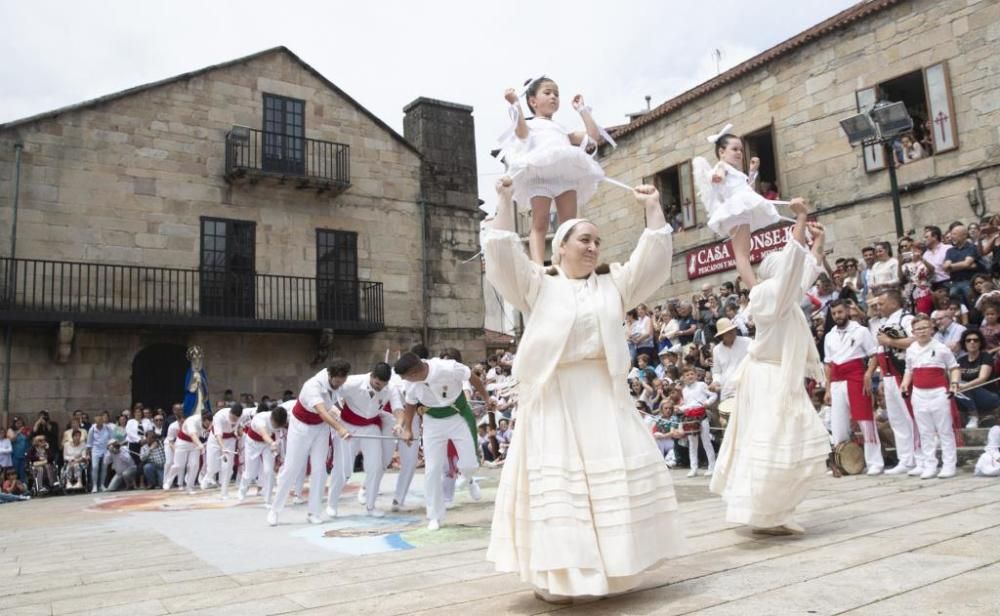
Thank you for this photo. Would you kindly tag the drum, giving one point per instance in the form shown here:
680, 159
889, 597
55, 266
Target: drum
848, 458
727, 406
692, 420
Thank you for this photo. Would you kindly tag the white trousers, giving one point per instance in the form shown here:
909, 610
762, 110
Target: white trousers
344, 453
903, 426
168, 453
259, 466
218, 464
307, 443
840, 425
706, 436
437, 433
932, 410
187, 461
408, 456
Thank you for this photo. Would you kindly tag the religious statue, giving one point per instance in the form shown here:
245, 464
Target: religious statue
196, 384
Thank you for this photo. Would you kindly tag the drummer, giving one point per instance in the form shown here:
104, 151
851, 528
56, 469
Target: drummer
726, 357
697, 399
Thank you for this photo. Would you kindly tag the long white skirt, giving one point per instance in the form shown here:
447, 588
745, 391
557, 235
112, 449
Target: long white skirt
585, 502
771, 454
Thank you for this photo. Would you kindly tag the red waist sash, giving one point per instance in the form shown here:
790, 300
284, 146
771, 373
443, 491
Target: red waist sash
935, 378
853, 372
181, 434
300, 412
887, 368
253, 434
354, 419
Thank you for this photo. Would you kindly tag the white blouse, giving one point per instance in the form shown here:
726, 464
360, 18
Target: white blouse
884, 273
584, 340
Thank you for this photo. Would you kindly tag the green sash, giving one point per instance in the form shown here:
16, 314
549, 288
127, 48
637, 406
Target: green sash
460, 407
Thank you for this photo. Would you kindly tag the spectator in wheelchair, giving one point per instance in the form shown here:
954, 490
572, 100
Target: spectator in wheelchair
43, 470
75, 461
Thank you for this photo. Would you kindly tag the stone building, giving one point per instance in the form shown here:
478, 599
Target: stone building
252, 208
940, 57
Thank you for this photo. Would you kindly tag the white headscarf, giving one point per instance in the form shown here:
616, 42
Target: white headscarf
560, 236
769, 266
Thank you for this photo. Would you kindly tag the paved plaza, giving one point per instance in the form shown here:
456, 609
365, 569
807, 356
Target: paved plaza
878, 546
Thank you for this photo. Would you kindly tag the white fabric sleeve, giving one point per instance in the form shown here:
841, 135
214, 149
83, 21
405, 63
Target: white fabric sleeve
509, 269
647, 269
827, 350
948, 358
411, 396
909, 358
312, 394
132, 428
868, 343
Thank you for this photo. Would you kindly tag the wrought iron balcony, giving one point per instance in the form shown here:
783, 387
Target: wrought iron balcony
38, 291
253, 154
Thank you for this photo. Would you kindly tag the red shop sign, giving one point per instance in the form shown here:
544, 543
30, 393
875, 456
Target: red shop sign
718, 257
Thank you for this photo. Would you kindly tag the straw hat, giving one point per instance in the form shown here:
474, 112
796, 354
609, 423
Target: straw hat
722, 326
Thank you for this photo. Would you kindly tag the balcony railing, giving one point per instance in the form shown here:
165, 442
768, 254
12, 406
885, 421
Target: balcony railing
255, 153
39, 291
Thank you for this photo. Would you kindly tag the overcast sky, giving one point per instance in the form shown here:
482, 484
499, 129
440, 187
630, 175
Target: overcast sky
386, 53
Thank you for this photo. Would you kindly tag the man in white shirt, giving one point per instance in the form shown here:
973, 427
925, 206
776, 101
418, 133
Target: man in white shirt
893, 320
313, 415
438, 385
260, 447
220, 449
847, 348
697, 399
948, 332
935, 255
726, 357
362, 397
188, 449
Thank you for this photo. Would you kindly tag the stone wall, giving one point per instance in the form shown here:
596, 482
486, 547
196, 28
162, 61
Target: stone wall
127, 180
804, 95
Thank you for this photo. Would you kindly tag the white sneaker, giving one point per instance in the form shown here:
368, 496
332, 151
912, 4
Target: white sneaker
474, 491
946, 473
376, 513
899, 469
973, 422
875, 470
693, 472
433, 525
242, 495
916, 471
449, 504
709, 472
362, 496
314, 519
94, 490
297, 500
332, 512
930, 473
272, 517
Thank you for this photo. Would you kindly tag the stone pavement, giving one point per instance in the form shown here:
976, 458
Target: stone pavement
879, 546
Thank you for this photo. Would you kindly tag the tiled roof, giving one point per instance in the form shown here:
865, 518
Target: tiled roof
841, 20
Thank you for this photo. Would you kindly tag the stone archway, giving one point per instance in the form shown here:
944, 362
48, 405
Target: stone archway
158, 375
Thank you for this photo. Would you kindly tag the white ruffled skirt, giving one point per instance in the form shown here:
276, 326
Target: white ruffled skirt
773, 451
585, 502
744, 207
552, 170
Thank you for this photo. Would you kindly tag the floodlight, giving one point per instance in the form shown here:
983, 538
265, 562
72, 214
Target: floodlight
892, 119
859, 128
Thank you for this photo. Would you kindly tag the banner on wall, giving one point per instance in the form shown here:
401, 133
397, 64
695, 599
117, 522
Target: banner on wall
718, 257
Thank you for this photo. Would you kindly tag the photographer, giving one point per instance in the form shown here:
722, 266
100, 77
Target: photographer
44, 426
120, 460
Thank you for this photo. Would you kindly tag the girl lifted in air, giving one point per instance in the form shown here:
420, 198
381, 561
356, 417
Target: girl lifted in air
548, 162
735, 210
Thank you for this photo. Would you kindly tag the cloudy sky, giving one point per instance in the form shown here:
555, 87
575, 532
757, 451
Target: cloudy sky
386, 53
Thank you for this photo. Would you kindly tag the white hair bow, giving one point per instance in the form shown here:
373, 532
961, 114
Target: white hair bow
725, 130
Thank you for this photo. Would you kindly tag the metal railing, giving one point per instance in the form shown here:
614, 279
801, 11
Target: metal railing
249, 150
36, 290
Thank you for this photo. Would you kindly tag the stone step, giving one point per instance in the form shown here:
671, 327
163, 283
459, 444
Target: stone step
966, 455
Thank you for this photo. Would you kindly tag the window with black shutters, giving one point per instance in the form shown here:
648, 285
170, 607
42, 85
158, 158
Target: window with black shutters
227, 267
337, 289
284, 135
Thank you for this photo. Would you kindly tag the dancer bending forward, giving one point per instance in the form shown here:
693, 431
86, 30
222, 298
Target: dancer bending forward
585, 503
776, 444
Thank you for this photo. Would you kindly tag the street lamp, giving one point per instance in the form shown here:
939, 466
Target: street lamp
879, 127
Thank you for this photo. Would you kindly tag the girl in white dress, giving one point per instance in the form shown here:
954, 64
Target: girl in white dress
547, 161
585, 503
735, 210
988, 464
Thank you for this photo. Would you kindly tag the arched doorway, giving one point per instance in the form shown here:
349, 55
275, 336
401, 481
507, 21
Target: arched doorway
158, 375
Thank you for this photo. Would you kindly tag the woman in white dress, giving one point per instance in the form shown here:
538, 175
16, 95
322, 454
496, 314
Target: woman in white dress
776, 444
585, 503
